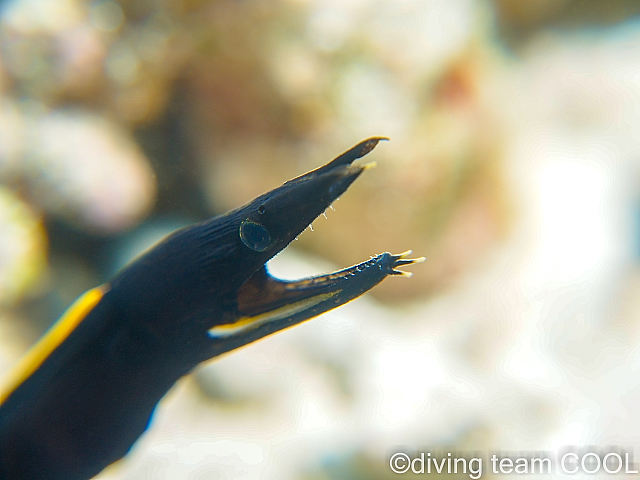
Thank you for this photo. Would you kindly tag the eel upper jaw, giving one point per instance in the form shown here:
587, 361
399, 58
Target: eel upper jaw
279, 216
345, 159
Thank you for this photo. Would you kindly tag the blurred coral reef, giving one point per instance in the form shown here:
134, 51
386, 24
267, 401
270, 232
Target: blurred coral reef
512, 166
270, 103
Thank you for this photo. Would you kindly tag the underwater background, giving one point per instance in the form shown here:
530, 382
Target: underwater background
513, 166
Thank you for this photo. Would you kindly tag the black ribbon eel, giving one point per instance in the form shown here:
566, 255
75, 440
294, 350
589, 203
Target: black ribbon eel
86, 391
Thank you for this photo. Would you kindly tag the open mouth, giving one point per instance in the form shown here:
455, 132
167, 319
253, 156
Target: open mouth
266, 304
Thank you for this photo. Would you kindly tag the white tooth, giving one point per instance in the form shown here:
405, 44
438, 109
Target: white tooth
324, 214
331, 207
311, 227
403, 273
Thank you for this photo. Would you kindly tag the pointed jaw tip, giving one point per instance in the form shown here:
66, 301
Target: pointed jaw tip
359, 151
369, 144
400, 260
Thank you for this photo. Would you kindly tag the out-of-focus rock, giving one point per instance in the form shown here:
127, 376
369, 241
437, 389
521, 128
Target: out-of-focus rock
519, 22
14, 331
101, 53
88, 170
527, 14
23, 245
49, 50
76, 165
13, 136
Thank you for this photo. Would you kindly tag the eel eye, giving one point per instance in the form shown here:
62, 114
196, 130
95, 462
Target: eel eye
254, 236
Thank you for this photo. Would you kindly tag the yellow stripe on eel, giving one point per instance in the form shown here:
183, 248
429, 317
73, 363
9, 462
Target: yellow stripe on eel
30, 362
246, 323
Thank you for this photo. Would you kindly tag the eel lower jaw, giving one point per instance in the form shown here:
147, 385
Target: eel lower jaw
264, 299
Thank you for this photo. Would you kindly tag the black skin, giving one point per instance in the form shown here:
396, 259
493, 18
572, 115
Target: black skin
93, 396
